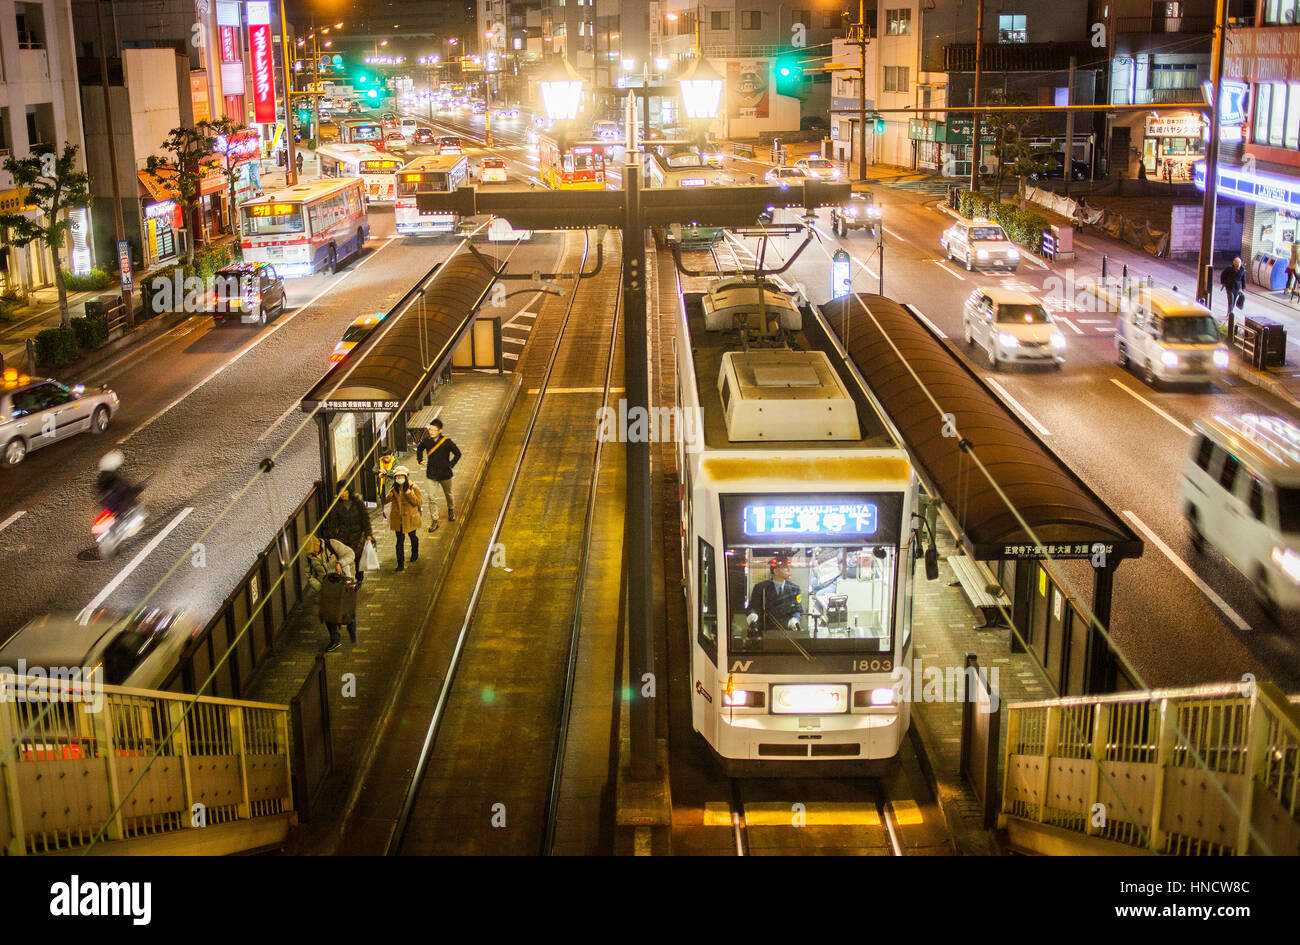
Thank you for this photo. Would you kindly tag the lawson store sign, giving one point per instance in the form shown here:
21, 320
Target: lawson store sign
1279, 192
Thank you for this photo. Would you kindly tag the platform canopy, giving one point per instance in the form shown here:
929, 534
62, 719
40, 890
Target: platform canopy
1068, 518
411, 345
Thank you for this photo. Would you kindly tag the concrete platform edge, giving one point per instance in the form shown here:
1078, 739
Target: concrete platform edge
965, 840
643, 810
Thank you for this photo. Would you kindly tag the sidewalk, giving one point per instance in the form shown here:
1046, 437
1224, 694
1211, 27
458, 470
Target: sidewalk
40, 312
390, 608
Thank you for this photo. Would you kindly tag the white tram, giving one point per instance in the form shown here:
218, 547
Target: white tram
797, 541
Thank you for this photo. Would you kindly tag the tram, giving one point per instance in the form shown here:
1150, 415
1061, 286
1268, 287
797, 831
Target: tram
682, 166
431, 174
577, 165
798, 534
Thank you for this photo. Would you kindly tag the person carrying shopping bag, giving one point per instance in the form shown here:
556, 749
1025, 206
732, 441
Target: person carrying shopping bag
331, 574
405, 501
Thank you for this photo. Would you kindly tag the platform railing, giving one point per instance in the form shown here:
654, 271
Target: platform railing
1203, 771
106, 769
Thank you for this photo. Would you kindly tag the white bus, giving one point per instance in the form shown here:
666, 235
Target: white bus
435, 174
374, 167
305, 229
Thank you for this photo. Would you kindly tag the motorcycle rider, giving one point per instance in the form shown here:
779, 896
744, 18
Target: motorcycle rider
115, 493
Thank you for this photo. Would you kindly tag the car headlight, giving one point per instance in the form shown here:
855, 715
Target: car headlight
850, 211
1058, 341
1220, 357
982, 253
1289, 562
1008, 340
1013, 253
873, 211
1169, 358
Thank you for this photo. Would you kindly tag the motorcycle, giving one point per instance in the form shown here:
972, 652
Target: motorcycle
112, 527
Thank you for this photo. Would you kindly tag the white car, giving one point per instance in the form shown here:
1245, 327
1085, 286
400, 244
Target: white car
818, 168
1168, 338
492, 170
407, 127
785, 176
1012, 328
980, 244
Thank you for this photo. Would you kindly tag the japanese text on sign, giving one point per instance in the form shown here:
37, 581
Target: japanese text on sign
841, 518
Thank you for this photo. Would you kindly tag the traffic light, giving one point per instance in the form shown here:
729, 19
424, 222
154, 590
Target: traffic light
789, 74
880, 124
304, 115
362, 77
373, 93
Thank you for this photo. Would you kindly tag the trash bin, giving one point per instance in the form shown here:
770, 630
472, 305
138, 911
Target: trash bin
1269, 342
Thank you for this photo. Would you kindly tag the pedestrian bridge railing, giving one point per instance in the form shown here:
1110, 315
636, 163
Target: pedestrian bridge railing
106, 769
1204, 771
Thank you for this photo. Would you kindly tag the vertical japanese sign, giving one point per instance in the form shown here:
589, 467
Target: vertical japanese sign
259, 46
124, 263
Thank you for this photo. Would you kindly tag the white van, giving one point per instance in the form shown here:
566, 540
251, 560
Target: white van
407, 127
1241, 495
1167, 337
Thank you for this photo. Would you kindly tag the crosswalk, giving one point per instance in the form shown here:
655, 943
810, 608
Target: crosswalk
928, 186
514, 336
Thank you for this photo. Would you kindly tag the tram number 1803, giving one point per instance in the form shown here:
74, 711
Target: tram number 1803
875, 665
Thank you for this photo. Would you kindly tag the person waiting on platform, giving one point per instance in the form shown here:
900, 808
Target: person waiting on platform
775, 603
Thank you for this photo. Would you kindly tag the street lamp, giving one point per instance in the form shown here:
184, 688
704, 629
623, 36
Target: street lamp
701, 86
561, 87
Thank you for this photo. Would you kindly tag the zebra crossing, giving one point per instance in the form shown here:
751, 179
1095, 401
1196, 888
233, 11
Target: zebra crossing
930, 186
514, 335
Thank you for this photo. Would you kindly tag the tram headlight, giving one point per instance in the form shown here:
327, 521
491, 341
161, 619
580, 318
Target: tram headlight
747, 698
884, 696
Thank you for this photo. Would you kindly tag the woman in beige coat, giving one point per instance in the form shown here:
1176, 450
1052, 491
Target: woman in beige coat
405, 501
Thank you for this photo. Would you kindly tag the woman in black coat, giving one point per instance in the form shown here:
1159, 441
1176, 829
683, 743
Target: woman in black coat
349, 522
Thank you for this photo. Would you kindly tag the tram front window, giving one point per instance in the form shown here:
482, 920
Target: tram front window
818, 599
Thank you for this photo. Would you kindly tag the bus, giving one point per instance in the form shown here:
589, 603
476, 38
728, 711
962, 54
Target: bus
361, 131
375, 168
434, 174
678, 165
579, 166
305, 229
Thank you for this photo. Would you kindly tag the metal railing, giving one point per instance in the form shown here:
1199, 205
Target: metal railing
1200, 771
85, 764
1164, 24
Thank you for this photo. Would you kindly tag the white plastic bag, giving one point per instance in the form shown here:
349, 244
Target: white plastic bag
370, 558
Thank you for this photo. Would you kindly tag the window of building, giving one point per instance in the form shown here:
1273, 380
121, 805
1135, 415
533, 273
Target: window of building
1263, 101
719, 19
751, 19
1173, 75
1280, 12
831, 19
30, 21
898, 22
1292, 139
1012, 29
896, 78
801, 16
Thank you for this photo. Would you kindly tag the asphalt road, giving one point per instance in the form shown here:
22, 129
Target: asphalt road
201, 407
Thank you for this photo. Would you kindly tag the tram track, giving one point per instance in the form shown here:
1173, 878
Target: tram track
472, 758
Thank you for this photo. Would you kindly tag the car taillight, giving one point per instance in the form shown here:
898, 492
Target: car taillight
103, 521
338, 356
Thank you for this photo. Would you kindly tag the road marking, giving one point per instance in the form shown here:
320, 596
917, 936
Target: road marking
129, 355
906, 812
11, 519
893, 234
944, 266
1128, 390
1095, 321
1191, 575
279, 323
815, 814
1073, 327
1015, 405
122, 575
928, 324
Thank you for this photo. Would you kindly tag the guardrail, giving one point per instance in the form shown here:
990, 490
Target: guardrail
1201, 771
99, 767
742, 150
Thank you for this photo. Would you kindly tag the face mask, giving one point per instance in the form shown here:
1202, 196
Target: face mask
401, 482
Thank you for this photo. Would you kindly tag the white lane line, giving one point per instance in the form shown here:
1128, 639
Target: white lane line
279, 323
279, 420
928, 324
893, 234
1073, 327
11, 519
122, 575
1131, 392
1015, 405
1095, 321
944, 266
1191, 575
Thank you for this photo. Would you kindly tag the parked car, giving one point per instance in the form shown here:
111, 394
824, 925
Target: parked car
1055, 170
1011, 327
860, 213
818, 168
247, 293
139, 651
785, 176
35, 412
980, 244
1241, 495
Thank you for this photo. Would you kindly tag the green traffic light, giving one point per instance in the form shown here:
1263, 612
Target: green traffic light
373, 94
785, 70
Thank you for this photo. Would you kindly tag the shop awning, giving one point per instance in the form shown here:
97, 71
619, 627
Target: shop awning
412, 345
905, 364
160, 186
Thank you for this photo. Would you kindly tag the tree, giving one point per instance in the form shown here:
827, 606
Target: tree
188, 154
225, 130
1012, 132
54, 186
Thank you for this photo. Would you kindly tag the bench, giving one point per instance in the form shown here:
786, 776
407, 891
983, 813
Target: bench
983, 594
418, 421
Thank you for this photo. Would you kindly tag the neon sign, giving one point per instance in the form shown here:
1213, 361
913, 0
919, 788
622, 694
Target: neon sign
259, 43
1276, 192
790, 519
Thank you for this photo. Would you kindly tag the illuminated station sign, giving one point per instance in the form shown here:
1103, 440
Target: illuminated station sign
804, 519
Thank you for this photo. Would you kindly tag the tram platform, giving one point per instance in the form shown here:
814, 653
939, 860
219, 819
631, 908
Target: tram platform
943, 624
390, 607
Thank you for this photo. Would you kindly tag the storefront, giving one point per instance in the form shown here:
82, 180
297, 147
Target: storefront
23, 268
163, 217
1172, 145
929, 148
213, 213
1272, 219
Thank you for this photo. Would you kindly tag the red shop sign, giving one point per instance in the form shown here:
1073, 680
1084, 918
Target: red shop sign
259, 44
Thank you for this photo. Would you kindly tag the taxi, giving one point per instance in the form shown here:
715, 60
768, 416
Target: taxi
980, 244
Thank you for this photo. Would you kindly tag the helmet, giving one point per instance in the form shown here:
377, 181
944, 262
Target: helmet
111, 461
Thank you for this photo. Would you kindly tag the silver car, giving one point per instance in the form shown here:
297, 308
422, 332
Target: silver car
35, 412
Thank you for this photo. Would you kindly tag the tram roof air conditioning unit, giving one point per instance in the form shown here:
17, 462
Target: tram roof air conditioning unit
776, 395
736, 302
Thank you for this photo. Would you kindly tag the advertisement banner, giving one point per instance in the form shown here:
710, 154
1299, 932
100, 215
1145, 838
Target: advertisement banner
79, 231
1262, 55
260, 53
199, 95
229, 44
748, 87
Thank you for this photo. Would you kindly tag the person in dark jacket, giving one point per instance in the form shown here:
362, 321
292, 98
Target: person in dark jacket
323, 560
349, 522
774, 603
1233, 281
443, 455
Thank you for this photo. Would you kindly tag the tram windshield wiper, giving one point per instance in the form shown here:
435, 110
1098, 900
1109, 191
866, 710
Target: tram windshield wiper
793, 642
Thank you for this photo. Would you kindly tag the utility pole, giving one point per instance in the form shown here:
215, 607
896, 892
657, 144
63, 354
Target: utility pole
1205, 260
975, 116
862, 90
1069, 128
118, 222
291, 157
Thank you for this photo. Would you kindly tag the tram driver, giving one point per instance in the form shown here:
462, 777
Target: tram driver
776, 602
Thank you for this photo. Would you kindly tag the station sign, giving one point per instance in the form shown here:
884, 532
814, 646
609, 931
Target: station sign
788, 520
375, 406
841, 274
